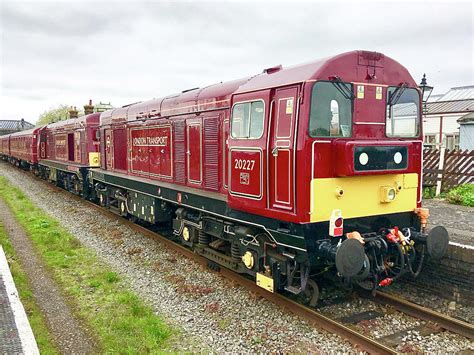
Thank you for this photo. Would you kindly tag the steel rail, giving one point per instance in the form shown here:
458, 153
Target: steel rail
444, 321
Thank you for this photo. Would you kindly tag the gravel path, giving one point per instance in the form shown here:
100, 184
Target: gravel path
213, 314
68, 333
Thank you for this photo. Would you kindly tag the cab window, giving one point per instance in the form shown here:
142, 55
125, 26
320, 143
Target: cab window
331, 110
247, 120
403, 112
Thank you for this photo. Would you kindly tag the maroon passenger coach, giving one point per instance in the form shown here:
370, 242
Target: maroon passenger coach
22, 147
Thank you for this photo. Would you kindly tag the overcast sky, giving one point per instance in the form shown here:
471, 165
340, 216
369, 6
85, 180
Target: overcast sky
68, 52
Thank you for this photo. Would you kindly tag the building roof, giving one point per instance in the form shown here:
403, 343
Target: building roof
14, 125
458, 93
435, 97
467, 119
452, 106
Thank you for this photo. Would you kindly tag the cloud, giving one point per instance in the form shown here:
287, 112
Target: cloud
58, 52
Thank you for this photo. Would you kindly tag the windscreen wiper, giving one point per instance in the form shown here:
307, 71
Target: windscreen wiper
395, 96
342, 87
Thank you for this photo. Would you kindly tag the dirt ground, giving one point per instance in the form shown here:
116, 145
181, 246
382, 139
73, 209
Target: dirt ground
459, 220
68, 333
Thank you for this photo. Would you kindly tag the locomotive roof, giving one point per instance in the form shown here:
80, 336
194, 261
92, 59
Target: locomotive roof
73, 123
350, 67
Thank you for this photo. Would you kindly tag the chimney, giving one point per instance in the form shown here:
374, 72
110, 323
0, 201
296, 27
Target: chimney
88, 109
73, 113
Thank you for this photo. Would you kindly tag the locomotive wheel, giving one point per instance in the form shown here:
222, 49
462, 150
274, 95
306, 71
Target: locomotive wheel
310, 295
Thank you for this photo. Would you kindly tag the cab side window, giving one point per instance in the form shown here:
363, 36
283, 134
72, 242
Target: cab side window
247, 120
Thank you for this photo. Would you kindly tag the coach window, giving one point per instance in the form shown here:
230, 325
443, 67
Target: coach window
247, 120
331, 110
402, 112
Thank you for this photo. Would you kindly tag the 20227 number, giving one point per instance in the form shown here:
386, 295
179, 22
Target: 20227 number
244, 164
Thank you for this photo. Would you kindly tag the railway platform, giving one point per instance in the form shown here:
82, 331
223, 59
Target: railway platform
16, 336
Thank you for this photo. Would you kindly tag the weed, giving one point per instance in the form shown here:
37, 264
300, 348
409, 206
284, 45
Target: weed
223, 323
111, 277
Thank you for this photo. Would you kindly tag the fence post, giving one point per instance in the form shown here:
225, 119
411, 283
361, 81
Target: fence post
439, 179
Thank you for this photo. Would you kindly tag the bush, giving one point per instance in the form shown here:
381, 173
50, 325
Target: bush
462, 195
429, 192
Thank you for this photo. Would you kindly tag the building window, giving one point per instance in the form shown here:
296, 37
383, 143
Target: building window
430, 140
452, 141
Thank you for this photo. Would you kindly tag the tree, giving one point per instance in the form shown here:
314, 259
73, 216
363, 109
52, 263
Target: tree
59, 113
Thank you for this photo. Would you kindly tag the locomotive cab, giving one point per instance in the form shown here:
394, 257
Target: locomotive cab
365, 143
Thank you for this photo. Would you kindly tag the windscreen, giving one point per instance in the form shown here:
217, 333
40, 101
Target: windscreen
331, 110
402, 112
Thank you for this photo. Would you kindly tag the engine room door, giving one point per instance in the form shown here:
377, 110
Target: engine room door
194, 151
42, 144
281, 148
108, 149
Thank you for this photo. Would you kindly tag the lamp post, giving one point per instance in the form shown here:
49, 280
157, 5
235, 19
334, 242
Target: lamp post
425, 91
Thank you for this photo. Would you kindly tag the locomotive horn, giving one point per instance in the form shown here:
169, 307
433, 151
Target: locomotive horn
437, 242
350, 258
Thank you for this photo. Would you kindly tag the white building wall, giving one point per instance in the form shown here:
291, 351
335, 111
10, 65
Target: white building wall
450, 125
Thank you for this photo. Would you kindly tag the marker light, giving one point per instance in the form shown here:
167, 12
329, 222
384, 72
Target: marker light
336, 224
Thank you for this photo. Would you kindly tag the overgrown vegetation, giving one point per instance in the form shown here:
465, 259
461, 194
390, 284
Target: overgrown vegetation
462, 195
35, 317
429, 192
118, 318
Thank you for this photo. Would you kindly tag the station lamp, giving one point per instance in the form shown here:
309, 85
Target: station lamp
425, 91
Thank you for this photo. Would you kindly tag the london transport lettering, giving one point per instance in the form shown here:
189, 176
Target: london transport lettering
150, 141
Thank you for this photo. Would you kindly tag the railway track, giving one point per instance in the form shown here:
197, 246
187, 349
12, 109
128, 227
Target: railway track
444, 321
359, 340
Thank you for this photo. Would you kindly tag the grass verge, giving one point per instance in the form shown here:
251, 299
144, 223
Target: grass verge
120, 321
35, 317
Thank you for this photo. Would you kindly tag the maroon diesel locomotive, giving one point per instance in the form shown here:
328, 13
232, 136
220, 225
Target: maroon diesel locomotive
290, 176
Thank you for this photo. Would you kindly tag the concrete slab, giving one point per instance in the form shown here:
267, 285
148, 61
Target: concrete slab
16, 336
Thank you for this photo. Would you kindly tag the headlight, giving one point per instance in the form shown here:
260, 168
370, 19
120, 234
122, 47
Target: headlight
391, 194
387, 193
